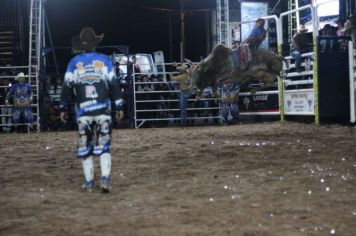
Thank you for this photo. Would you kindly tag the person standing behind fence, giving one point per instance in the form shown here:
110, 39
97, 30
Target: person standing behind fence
340, 32
22, 99
90, 76
185, 92
300, 44
229, 103
5, 111
134, 68
350, 27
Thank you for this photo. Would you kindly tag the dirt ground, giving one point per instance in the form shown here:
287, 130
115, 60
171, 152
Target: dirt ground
252, 179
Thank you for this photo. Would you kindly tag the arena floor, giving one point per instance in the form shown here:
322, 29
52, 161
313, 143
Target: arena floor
277, 179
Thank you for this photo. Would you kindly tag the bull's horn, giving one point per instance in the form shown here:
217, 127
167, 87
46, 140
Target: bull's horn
188, 61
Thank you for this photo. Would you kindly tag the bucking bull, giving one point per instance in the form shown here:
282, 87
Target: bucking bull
220, 67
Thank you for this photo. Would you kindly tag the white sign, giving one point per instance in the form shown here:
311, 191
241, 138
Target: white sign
299, 102
328, 7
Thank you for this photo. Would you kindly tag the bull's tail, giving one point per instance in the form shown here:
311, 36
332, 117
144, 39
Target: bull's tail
285, 67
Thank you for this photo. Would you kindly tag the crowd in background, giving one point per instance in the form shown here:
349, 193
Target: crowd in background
164, 108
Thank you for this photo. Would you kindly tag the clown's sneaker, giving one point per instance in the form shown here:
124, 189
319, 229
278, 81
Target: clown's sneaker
88, 186
105, 184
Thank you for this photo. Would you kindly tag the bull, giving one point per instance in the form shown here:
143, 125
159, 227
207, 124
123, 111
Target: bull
219, 67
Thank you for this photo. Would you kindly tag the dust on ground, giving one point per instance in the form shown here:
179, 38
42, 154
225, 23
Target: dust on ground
252, 179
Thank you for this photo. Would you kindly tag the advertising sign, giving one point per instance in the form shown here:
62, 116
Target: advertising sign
299, 102
259, 103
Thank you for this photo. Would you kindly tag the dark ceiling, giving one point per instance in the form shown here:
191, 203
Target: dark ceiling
143, 25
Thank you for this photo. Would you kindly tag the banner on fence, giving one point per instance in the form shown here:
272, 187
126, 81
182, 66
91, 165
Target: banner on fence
260, 103
299, 102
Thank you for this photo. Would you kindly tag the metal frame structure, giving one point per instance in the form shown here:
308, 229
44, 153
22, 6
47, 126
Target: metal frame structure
139, 122
222, 22
35, 61
314, 74
293, 19
36, 45
352, 78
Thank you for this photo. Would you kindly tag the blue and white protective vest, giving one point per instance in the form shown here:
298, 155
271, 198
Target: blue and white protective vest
21, 93
91, 78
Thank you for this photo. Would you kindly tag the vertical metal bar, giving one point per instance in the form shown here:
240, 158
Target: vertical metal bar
182, 30
30, 41
279, 24
315, 20
207, 32
51, 43
134, 93
39, 37
218, 20
227, 28
352, 81
170, 37
297, 15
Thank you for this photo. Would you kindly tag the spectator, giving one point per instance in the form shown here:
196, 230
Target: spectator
163, 105
257, 35
90, 76
328, 43
140, 96
5, 111
134, 68
120, 74
300, 43
207, 94
133, 74
145, 95
148, 86
53, 112
55, 90
22, 99
185, 92
229, 103
340, 32
350, 27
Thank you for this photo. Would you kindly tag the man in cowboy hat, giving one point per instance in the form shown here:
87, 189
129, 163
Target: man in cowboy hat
22, 97
300, 44
91, 77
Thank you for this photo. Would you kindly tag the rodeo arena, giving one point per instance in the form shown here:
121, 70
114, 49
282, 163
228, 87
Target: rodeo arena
257, 137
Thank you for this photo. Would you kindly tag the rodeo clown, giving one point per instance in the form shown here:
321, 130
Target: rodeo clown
229, 102
22, 97
90, 76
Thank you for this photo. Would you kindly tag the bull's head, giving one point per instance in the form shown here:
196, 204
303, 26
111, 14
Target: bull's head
196, 76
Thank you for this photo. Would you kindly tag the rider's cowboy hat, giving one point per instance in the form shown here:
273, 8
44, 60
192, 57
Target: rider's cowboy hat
19, 75
87, 40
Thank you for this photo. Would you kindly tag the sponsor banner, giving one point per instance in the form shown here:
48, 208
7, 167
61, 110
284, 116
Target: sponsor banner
299, 102
259, 103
